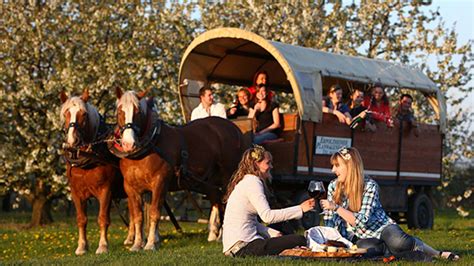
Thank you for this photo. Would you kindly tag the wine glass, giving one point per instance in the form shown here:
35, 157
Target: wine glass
316, 190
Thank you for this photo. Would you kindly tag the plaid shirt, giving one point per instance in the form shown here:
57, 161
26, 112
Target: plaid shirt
369, 221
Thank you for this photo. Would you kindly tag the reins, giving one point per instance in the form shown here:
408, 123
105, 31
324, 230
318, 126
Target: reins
86, 150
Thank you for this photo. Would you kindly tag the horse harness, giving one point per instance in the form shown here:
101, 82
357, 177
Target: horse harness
147, 144
91, 154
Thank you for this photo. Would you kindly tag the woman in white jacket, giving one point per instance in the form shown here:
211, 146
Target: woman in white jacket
243, 235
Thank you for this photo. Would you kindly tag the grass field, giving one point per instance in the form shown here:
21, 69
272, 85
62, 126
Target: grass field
55, 244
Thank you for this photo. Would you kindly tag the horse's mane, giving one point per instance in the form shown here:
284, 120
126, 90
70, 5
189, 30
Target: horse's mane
130, 98
93, 114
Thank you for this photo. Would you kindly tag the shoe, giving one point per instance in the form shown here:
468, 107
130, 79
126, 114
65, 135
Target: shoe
448, 256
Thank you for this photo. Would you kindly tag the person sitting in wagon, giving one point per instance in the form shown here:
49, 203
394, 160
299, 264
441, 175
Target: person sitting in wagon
242, 106
260, 79
332, 104
353, 207
358, 111
267, 115
378, 105
403, 112
207, 107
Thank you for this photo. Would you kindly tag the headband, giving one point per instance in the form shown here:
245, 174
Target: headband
257, 152
344, 152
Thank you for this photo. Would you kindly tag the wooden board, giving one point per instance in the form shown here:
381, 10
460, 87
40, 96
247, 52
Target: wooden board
297, 252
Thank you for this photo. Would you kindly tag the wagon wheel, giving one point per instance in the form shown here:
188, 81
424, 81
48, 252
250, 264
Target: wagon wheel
420, 212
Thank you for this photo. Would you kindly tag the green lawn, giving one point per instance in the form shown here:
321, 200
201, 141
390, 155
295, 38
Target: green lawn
55, 244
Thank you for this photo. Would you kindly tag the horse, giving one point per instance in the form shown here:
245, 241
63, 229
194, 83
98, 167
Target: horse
200, 156
92, 171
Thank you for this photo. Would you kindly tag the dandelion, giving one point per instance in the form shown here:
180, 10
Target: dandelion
467, 193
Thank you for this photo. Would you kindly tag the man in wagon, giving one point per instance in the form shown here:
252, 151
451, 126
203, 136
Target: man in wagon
404, 112
207, 107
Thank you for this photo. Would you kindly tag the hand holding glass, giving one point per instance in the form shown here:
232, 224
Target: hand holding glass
316, 190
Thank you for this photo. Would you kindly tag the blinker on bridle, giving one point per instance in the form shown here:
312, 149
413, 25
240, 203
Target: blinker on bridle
73, 125
132, 126
76, 126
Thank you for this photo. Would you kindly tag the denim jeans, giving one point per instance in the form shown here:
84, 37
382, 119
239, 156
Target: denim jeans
393, 240
259, 139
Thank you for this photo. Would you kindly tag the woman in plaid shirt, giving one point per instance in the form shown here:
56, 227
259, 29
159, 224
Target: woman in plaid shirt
353, 207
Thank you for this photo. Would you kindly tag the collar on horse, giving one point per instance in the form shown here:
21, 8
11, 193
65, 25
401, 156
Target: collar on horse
146, 143
94, 153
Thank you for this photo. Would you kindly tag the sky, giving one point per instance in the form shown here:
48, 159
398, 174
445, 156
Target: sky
460, 12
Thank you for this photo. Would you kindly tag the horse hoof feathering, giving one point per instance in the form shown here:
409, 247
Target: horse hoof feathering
128, 241
150, 247
136, 247
102, 249
81, 250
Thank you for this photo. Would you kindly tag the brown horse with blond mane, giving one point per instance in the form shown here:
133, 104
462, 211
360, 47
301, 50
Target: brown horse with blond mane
92, 171
200, 156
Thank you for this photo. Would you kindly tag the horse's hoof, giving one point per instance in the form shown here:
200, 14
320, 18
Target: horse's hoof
151, 247
212, 237
136, 248
102, 250
80, 251
128, 242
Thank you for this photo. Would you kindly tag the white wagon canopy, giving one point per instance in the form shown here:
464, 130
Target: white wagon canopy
233, 56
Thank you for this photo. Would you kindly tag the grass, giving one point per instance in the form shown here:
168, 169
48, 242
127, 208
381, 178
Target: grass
55, 244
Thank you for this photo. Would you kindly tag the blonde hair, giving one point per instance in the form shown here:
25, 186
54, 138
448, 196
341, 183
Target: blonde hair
248, 166
353, 186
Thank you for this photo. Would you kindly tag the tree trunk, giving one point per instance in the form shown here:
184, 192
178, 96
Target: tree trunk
41, 213
6, 203
41, 205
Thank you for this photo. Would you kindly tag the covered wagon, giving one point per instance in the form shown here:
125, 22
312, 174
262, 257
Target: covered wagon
406, 166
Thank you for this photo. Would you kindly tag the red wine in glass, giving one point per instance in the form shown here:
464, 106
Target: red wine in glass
316, 189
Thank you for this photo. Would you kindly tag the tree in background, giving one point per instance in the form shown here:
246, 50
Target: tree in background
397, 31
49, 46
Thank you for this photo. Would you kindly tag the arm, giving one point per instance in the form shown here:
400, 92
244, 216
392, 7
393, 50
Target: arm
329, 215
359, 219
194, 114
347, 215
257, 198
231, 111
346, 112
340, 116
253, 111
325, 108
348, 118
267, 232
276, 122
220, 111
414, 125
